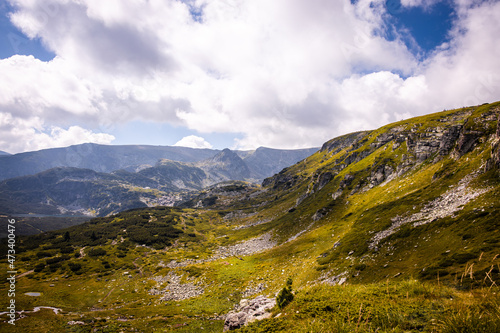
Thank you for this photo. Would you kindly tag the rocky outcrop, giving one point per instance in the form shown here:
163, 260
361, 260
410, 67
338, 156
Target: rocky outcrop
466, 142
336, 145
323, 179
449, 139
283, 180
249, 311
498, 127
320, 213
380, 174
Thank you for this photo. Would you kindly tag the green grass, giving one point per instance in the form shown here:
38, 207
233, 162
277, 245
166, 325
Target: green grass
404, 306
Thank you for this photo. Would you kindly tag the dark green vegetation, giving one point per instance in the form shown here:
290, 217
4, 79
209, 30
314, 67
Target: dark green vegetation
31, 225
285, 296
392, 230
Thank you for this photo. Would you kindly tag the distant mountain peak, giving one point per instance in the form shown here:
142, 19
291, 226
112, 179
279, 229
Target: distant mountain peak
226, 165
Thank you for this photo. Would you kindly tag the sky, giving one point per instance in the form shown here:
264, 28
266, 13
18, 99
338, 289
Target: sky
236, 73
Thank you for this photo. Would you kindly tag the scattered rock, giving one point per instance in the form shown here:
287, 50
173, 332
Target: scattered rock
175, 290
245, 248
445, 205
250, 291
249, 311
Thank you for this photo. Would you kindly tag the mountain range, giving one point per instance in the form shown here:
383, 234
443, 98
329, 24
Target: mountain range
73, 183
391, 230
263, 162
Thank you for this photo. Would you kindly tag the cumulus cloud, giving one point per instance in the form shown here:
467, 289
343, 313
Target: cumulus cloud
30, 134
284, 73
193, 141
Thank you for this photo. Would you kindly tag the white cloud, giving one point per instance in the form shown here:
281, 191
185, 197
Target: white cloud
419, 3
284, 73
193, 141
30, 134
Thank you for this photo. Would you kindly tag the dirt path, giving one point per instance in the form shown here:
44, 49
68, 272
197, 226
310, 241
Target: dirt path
24, 274
82, 252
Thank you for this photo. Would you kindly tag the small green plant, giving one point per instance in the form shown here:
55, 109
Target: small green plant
285, 296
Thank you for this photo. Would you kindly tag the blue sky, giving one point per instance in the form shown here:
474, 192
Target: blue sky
428, 27
13, 40
237, 74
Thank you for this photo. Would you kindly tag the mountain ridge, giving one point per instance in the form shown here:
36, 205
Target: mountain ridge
109, 158
166, 182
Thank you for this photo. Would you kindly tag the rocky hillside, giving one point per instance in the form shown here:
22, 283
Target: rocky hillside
405, 218
62, 191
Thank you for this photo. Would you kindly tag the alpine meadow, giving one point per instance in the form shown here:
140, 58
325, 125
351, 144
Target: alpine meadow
391, 230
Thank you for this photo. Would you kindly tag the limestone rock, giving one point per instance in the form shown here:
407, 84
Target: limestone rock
249, 311
449, 139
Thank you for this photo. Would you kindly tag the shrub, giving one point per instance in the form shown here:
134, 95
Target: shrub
97, 252
39, 267
74, 267
43, 254
285, 296
54, 267
66, 249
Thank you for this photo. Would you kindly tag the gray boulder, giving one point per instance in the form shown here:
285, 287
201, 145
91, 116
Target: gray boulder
249, 311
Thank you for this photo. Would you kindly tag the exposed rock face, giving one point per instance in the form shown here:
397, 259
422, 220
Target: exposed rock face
449, 139
282, 180
337, 144
381, 173
320, 213
322, 180
466, 142
249, 311
498, 127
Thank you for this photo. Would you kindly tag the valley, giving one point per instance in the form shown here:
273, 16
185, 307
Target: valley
391, 230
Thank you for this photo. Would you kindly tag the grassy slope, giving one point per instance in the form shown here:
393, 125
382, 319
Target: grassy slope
419, 278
